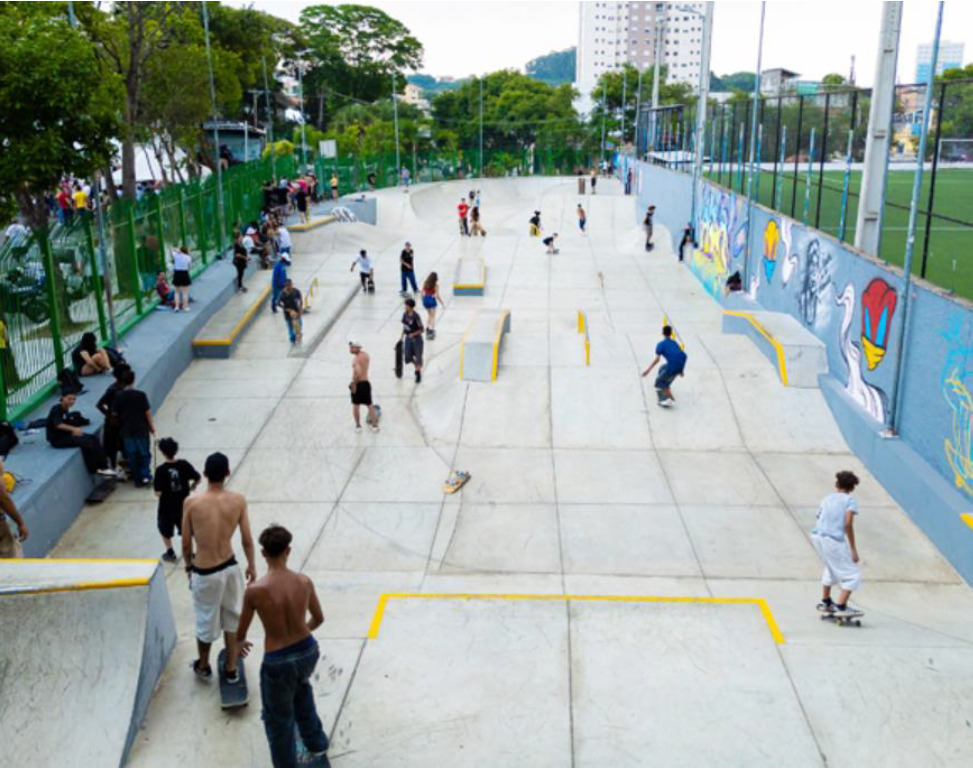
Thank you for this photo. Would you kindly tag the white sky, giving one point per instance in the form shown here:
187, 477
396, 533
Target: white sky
812, 38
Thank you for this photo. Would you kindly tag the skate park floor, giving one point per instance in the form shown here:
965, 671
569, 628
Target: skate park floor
617, 584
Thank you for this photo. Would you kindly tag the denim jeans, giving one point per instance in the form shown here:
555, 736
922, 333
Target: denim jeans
294, 325
139, 459
410, 276
275, 297
288, 701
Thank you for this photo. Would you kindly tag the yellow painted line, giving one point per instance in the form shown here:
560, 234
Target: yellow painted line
781, 366
239, 326
479, 285
77, 587
496, 343
967, 519
80, 560
311, 224
583, 329
760, 603
581, 322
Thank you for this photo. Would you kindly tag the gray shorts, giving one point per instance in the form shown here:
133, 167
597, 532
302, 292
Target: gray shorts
413, 349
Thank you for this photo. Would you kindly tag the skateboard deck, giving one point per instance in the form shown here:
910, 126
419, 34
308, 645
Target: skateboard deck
378, 416
103, 488
371, 285
304, 756
232, 695
399, 363
456, 481
847, 618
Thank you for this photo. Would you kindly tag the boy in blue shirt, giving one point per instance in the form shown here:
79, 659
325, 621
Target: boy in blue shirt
674, 366
278, 280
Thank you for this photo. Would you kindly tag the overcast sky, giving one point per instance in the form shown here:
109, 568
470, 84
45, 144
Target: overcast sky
812, 38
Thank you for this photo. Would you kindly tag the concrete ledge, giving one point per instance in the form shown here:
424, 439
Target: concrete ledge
930, 501
159, 349
470, 277
583, 330
479, 356
312, 224
799, 356
225, 329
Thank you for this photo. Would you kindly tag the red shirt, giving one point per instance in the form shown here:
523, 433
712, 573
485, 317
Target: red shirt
64, 200
463, 210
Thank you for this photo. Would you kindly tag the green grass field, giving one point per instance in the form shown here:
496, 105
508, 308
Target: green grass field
949, 262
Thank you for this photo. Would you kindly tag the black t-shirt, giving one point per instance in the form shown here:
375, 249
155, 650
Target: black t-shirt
130, 406
56, 416
76, 360
535, 220
408, 260
173, 480
411, 324
104, 404
240, 252
292, 301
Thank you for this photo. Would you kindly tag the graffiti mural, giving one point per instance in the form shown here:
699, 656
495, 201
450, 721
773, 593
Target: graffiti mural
771, 241
878, 307
723, 239
818, 268
955, 376
869, 397
790, 261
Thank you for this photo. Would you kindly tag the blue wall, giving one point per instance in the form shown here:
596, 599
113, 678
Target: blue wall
853, 303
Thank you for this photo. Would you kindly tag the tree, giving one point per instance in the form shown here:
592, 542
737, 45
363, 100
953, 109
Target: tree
738, 81
958, 103
355, 51
608, 92
59, 113
832, 81
554, 68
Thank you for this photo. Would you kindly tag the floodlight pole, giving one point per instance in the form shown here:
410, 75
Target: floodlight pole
270, 122
221, 210
753, 142
395, 123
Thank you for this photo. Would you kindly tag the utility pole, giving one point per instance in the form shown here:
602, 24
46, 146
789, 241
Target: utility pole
656, 67
300, 80
638, 111
481, 127
604, 118
753, 140
270, 122
624, 101
701, 109
894, 420
221, 210
395, 123
868, 226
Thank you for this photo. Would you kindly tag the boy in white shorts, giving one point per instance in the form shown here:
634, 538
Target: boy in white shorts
833, 538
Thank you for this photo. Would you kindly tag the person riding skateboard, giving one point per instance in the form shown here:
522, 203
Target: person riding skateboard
361, 388
283, 599
211, 519
647, 224
833, 537
674, 366
582, 218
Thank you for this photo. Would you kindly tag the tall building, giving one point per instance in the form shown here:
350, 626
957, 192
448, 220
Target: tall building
950, 55
613, 33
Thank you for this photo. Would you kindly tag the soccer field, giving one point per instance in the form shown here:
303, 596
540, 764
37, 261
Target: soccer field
949, 261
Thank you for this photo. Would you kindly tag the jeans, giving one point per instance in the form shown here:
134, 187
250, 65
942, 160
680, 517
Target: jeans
139, 459
275, 297
288, 700
91, 450
294, 327
410, 276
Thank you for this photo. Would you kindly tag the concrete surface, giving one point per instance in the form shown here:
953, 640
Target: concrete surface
230, 323
482, 344
581, 486
798, 356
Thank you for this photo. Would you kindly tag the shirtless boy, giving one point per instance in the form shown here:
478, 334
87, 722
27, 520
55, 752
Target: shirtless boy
361, 388
211, 519
283, 599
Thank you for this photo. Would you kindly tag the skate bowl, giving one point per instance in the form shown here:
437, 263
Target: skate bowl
92, 639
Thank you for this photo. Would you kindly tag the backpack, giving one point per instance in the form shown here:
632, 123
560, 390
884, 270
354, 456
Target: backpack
69, 381
114, 356
8, 438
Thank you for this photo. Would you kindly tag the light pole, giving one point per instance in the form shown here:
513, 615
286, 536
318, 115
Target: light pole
604, 118
270, 123
656, 67
299, 64
481, 127
624, 97
395, 123
753, 140
221, 211
701, 110
638, 111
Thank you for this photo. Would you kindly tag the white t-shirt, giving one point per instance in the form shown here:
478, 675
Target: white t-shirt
283, 238
181, 260
248, 243
831, 515
364, 264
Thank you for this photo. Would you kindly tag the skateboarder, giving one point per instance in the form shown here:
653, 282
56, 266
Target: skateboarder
582, 218
412, 336
283, 599
10, 542
292, 303
211, 519
674, 366
647, 223
365, 270
407, 265
549, 242
463, 209
833, 537
175, 479
430, 300
361, 388
535, 224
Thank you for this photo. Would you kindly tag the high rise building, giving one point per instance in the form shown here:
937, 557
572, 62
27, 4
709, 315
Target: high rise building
950, 55
613, 33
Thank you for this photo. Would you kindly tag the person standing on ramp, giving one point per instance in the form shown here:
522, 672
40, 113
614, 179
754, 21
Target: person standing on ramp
674, 366
211, 519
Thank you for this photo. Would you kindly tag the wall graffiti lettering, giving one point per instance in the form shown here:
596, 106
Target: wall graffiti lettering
878, 307
955, 375
723, 239
771, 241
869, 397
817, 279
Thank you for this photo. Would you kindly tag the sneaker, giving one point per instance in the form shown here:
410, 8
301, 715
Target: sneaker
418, 377
846, 611
203, 674
358, 429
826, 605
169, 556
375, 428
244, 289
107, 473
234, 677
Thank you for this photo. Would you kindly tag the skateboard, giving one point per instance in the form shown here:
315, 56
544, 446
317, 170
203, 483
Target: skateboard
378, 416
844, 619
104, 486
456, 481
232, 696
399, 363
371, 285
304, 756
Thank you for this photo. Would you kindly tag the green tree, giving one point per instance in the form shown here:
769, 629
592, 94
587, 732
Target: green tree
610, 88
833, 81
59, 113
958, 103
553, 68
738, 81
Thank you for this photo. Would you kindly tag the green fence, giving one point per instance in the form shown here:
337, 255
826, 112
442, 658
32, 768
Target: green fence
51, 285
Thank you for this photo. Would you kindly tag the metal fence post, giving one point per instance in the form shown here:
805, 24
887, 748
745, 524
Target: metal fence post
824, 156
932, 178
183, 230
797, 152
89, 243
134, 251
773, 194
44, 241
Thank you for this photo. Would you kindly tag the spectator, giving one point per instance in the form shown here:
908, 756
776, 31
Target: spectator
131, 409
181, 264
111, 437
293, 305
64, 431
334, 186
407, 265
167, 295
241, 258
175, 479
282, 239
278, 281
87, 358
65, 206
79, 198
431, 300
9, 543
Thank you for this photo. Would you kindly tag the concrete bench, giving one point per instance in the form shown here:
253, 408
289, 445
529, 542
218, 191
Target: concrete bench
798, 355
479, 355
470, 277
221, 334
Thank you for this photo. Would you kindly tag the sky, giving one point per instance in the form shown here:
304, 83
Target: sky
812, 38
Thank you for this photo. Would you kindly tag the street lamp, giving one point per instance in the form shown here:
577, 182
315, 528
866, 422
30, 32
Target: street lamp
299, 64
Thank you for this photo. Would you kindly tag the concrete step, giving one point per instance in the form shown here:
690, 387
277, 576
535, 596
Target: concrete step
798, 355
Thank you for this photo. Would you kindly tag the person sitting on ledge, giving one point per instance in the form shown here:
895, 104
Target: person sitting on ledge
89, 359
64, 432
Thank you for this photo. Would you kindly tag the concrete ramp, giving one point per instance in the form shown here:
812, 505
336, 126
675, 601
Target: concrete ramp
470, 277
798, 355
480, 349
82, 645
227, 327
